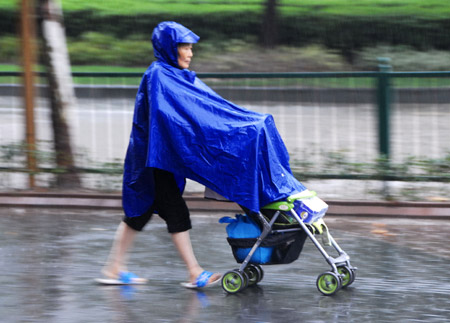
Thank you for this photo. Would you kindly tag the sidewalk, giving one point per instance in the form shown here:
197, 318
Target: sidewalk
198, 204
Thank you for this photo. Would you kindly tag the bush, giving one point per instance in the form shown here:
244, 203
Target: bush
352, 33
347, 32
95, 48
404, 58
9, 49
9, 21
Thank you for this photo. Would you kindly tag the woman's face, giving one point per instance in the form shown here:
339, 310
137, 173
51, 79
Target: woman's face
184, 55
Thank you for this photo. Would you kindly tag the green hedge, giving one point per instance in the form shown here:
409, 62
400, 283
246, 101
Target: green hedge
346, 33
9, 22
349, 34
341, 32
206, 26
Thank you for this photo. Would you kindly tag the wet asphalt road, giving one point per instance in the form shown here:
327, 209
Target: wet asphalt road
49, 259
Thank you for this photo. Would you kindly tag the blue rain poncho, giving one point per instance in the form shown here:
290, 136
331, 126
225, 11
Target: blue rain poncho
182, 126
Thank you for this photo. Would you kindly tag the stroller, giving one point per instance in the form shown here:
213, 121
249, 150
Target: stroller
276, 235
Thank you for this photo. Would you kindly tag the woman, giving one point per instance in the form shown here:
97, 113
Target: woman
183, 129
148, 190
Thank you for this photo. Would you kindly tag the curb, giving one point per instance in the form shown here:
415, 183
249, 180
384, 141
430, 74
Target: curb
197, 203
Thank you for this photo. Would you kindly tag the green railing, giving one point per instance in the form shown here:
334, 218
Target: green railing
382, 83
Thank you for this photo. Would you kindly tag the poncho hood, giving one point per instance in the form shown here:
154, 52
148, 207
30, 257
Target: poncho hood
182, 126
165, 39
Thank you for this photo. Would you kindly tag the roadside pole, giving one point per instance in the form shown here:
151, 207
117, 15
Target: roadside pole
28, 29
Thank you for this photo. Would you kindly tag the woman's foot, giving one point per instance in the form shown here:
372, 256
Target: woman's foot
203, 279
120, 277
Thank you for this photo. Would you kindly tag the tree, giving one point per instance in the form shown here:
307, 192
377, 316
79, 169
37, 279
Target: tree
61, 93
269, 26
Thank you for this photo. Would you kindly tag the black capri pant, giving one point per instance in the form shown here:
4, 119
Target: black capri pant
168, 203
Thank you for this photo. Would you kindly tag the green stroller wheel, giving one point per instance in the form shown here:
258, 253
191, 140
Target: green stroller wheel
347, 275
233, 281
328, 283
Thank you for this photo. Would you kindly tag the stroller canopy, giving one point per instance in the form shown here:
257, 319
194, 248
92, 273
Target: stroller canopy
182, 126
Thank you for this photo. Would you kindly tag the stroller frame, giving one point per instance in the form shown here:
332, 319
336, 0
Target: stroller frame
341, 275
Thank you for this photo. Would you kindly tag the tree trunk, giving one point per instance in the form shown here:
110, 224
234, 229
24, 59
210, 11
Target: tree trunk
62, 96
269, 27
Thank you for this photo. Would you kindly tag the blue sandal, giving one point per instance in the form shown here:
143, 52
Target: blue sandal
202, 281
125, 278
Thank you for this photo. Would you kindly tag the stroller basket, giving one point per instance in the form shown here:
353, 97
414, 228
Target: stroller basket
276, 248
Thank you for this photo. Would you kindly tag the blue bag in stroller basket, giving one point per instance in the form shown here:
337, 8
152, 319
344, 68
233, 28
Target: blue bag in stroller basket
279, 248
242, 227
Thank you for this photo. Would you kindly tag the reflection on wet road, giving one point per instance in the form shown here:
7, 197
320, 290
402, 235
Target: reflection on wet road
50, 258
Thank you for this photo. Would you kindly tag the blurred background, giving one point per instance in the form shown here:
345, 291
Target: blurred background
359, 90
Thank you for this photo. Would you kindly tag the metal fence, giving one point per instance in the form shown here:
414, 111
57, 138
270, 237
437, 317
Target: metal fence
333, 124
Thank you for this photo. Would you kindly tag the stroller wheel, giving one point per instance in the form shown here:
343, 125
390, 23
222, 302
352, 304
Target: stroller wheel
347, 274
254, 274
261, 272
328, 283
233, 281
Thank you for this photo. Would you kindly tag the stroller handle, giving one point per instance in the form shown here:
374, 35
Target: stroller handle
306, 194
289, 203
